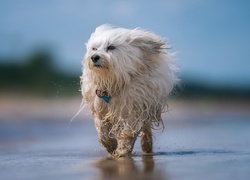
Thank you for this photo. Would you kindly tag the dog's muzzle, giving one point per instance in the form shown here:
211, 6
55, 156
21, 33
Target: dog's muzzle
95, 58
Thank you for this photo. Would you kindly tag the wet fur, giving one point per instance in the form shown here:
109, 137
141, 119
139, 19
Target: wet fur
138, 75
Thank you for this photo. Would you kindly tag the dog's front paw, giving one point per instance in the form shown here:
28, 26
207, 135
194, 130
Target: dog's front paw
121, 153
124, 148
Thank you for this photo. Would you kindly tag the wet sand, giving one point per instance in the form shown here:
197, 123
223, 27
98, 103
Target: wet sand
194, 145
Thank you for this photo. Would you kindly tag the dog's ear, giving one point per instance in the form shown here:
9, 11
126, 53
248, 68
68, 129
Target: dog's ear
150, 44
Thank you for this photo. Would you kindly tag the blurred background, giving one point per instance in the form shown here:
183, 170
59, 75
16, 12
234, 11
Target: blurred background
42, 44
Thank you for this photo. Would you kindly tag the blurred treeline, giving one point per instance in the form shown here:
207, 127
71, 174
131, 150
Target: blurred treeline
200, 90
39, 76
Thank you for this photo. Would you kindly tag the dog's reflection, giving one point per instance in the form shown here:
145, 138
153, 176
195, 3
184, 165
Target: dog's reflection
128, 168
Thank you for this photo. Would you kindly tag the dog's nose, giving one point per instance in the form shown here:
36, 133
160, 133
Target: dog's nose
95, 58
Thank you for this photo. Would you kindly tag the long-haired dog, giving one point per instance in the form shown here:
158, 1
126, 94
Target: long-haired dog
127, 77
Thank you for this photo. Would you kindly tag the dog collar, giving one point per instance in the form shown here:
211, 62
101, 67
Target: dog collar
103, 95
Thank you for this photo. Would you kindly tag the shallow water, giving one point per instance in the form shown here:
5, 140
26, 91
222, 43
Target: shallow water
216, 147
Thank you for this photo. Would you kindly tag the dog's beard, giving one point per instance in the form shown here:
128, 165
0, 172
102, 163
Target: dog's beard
111, 72
104, 77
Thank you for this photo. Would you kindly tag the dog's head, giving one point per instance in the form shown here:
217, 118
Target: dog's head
115, 55
122, 51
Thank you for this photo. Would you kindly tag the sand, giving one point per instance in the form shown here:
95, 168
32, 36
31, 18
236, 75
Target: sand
197, 143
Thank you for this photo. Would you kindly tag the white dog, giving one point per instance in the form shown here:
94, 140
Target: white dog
127, 76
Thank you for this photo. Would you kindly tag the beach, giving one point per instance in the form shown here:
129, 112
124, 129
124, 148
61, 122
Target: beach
201, 140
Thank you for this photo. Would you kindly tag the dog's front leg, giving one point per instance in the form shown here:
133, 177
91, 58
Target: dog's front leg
103, 129
125, 143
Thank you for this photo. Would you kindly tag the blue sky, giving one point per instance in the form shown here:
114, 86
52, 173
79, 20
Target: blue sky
211, 37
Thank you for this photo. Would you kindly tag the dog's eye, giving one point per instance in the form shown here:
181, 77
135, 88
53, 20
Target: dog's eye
110, 48
94, 49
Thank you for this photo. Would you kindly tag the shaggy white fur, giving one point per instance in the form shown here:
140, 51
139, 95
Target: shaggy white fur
127, 77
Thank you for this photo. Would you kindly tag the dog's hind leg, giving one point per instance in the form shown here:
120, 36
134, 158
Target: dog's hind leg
103, 129
146, 139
